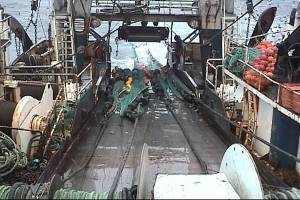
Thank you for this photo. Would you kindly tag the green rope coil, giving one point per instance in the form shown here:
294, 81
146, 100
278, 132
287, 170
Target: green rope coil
73, 194
16, 191
4, 191
292, 193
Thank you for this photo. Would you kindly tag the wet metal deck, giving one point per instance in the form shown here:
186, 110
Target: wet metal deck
169, 151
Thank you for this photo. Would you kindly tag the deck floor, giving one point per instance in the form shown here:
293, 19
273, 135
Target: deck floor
169, 151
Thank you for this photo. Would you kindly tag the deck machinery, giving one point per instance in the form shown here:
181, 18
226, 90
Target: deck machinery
60, 132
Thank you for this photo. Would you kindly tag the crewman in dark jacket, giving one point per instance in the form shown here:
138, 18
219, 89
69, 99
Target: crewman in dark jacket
178, 52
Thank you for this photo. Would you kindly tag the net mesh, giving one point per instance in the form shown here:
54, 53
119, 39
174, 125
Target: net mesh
239, 53
124, 96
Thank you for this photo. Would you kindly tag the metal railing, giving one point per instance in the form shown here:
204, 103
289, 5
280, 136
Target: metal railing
55, 117
212, 69
276, 104
273, 98
54, 74
88, 83
57, 111
185, 5
58, 119
261, 75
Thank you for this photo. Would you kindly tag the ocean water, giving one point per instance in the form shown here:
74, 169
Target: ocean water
21, 10
284, 8
127, 52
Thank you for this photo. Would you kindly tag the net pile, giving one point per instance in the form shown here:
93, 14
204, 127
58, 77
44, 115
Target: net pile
128, 97
239, 53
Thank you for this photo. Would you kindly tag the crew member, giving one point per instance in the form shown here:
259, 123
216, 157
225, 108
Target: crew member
128, 83
116, 73
178, 52
100, 51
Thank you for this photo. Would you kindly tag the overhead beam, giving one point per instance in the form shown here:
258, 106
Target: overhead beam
146, 17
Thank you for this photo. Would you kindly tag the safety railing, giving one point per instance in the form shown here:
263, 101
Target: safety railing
57, 114
55, 118
262, 77
273, 97
90, 78
211, 71
156, 6
261, 84
53, 74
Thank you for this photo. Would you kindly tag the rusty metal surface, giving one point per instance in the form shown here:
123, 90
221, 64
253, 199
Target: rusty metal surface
169, 151
38, 123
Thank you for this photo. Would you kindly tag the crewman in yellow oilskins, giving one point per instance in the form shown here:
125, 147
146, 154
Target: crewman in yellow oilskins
128, 83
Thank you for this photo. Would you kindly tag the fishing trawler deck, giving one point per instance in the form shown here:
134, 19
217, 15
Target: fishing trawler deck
168, 149
110, 121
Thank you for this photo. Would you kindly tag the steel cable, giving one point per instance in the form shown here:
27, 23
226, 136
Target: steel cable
85, 165
123, 161
195, 152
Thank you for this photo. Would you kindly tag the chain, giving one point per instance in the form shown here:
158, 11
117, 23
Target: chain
30, 22
248, 28
250, 9
35, 32
117, 44
34, 22
18, 46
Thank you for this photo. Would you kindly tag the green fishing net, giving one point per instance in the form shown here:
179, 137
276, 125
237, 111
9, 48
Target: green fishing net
69, 114
170, 83
127, 99
122, 99
239, 53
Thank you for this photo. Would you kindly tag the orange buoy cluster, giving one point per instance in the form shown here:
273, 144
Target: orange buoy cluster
265, 63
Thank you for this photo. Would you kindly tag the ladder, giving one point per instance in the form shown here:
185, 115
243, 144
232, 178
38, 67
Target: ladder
252, 117
64, 43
